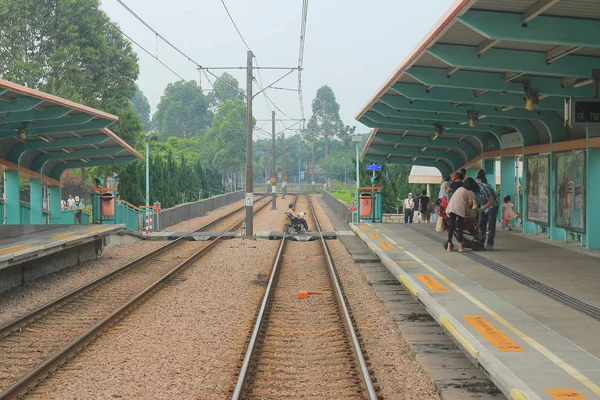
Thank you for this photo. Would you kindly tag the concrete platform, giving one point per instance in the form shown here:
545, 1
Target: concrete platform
30, 251
524, 312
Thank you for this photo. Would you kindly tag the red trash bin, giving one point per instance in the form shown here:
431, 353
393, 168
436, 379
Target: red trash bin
366, 205
108, 206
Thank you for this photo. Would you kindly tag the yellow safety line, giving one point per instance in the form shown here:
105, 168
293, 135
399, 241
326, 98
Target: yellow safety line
516, 395
459, 337
13, 249
390, 239
408, 285
574, 373
64, 236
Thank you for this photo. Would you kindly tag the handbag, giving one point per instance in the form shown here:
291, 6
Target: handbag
439, 225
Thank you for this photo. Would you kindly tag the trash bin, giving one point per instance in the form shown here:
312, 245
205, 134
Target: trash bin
108, 206
366, 205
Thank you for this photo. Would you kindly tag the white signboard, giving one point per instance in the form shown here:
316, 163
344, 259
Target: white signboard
273, 189
511, 140
249, 199
284, 184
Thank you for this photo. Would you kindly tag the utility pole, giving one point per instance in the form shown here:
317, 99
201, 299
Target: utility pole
147, 169
274, 168
299, 161
249, 170
283, 169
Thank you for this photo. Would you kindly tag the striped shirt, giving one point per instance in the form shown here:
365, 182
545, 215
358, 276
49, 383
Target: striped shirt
485, 194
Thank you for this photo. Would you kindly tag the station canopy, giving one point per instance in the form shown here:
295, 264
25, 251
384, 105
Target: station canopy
42, 135
491, 74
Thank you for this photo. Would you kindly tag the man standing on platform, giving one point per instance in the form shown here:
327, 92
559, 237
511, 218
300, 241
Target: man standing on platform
409, 209
77, 210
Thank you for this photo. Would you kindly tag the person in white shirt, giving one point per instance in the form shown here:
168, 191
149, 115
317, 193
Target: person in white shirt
409, 209
458, 208
70, 201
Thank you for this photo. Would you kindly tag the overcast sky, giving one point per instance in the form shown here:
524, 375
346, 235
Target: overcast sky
353, 46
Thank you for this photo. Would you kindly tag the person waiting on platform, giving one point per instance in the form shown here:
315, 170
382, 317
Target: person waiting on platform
425, 207
508, 213
458, 209
77, 210
297, 218
409, 209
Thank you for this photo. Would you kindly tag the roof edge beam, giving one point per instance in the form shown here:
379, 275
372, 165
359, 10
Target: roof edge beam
440, 165
536, 10
504, 60
40, 160
546, 29
493, 81
16, 151
58, 170
415, 91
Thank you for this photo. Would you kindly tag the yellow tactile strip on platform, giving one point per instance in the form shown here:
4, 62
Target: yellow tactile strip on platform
13, 249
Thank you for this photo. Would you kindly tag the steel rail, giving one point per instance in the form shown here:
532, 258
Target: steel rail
365, 375
241, 382
17, 323
24, 384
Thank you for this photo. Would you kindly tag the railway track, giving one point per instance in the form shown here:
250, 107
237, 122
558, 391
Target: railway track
304, 348
37, 343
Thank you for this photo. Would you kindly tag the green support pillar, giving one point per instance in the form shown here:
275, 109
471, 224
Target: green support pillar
554, 233
528, 227
35, 201
472, 173
489, 166
13, 213
55, 212
508, 185
592, 214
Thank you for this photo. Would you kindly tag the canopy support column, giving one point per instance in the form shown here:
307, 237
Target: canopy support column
13, 200
592, 228
528, 227
55, 211
35, 201
508, 175
489, 166
554, 233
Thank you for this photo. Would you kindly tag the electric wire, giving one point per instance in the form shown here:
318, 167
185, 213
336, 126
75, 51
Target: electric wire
234, 24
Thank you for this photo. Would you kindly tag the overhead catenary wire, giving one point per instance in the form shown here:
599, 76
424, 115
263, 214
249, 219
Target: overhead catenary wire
234, 24
158, 35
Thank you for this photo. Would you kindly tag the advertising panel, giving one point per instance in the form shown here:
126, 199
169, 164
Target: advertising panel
538, 189
570, 191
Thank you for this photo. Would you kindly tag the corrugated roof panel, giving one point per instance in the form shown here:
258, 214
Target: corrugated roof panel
427, 60
463, 35
587, 52
525, 46
576, 8
504, 5
407, 79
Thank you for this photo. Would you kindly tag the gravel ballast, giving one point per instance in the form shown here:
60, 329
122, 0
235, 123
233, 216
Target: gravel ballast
398, 373
185, 342
21, 300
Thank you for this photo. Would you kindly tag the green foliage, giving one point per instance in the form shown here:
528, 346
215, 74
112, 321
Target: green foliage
68, 48
225, 142
325, 123
346, 196
182, 111
226, 88
173, 180
141, 107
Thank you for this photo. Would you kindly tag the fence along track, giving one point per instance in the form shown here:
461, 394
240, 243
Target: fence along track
303, 348
39, 342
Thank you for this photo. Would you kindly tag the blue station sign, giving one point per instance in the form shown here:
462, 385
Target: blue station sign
373, 167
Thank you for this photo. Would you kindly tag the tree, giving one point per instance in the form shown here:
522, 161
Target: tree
182, 111
70, 48
325, 123
141, 107
225, 141
225, 88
